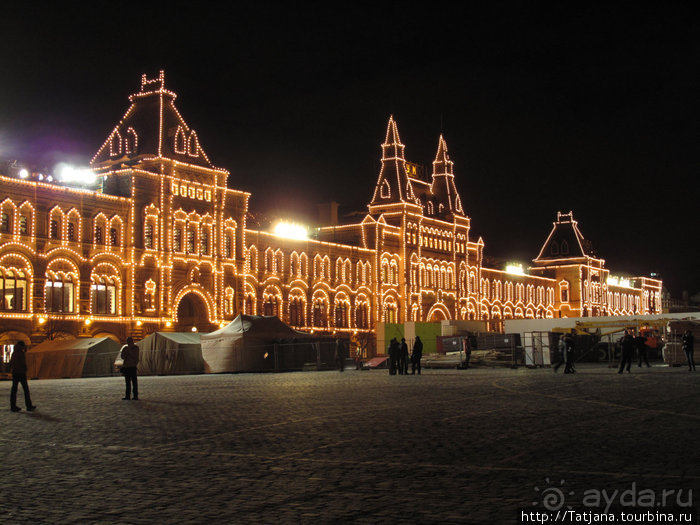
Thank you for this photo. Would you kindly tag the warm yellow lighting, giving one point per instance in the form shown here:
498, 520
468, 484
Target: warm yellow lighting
168, 324
515, 269
138, 323
88, 322
194, 328
290, 230
42, 320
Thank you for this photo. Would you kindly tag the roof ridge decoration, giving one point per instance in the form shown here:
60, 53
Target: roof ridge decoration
152, 127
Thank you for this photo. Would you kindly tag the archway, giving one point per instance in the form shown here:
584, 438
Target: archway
192, 312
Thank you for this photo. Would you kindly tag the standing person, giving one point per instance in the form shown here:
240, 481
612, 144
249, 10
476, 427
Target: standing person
393, 355
130, 355
416, 355
340, 354
18, 367
627, 346
570, 347
687, 341
561, 346
641, 343
403, 361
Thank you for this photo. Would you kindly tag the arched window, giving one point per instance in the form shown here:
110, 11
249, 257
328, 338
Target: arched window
177, 239
13, 291
148, 236
228, 246
103, 295
5, 225
53, 229
59, 293
190, 239
204, 244
319, 313
113, 237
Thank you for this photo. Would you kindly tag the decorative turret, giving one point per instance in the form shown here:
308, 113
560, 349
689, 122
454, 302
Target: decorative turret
443, 187
151, 127
393, 185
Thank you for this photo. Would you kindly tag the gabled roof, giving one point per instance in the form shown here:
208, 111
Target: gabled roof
152, 127
565, 241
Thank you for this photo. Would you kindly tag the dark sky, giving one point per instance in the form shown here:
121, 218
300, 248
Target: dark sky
544, 106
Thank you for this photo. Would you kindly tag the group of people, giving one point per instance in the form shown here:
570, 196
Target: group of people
18, 368
399, 358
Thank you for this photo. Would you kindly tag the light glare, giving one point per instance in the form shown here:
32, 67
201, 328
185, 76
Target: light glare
290, 230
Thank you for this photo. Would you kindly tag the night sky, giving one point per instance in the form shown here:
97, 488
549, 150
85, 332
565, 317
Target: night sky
544, 107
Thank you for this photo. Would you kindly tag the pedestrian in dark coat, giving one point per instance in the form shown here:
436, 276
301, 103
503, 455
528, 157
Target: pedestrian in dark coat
403, 357
641, 343
687, 342
627, 352
416, 355
130, 355
393, 351
18, 367
569, 342
340, 354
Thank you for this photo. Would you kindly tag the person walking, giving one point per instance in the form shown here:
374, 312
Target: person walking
570, 347
340, 354
641, 343
561, 346
687, 342
130, 355
627, 352
416, 355
403, 358
18, 367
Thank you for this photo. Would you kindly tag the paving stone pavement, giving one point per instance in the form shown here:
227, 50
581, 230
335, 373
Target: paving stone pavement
449, 446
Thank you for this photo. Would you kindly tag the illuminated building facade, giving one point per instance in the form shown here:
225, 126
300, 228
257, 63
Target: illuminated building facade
162, 244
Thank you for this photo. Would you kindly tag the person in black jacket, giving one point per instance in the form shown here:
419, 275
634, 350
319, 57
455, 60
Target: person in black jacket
18, 367
641, 343
688, 341
403, 357
627, 347
393, 351
416, 355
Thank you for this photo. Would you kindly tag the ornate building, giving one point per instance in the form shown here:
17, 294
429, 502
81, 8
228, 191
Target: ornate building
161, 243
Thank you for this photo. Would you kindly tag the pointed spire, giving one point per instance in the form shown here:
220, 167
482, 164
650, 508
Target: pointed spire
442, 165
392, 147
443, 186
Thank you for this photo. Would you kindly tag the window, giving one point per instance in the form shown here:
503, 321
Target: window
271, 306
177, 240
341, 315
98, 235
113, 237
53, 229
148, 236
228, 247
5, 223
319, 312
205, 242
104, 296
59, 294
190, 240
71, 231
13, 291
23, 225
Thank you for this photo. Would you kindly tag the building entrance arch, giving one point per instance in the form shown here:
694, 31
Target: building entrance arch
192, 312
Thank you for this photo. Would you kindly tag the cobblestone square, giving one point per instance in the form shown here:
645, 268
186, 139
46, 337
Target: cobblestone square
448, 446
